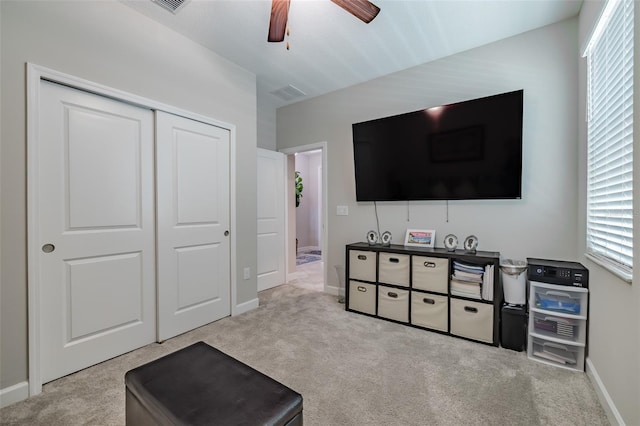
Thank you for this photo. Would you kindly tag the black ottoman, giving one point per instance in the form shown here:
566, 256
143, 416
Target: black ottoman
199, 385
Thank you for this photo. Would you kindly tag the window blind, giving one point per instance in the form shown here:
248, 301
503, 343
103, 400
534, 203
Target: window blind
610, 136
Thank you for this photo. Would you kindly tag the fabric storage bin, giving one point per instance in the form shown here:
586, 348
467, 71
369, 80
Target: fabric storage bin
429, 310
430, 273
362, 265
393, 303
472, 320
560, 354
362, 297
393, 268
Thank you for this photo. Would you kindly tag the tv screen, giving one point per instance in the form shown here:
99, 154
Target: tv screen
462, 151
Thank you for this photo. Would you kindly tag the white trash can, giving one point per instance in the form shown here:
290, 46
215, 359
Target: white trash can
514, 281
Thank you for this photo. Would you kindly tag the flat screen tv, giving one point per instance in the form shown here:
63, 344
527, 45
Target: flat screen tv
463, 151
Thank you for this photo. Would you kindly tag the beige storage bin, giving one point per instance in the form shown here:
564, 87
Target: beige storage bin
472, 320
430, 273
362, 297
393, 303
429, 310
362, 265
393, 268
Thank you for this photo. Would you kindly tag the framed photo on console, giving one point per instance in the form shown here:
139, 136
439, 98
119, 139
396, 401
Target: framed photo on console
420, 238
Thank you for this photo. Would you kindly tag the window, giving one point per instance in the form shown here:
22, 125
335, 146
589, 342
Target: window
610, 139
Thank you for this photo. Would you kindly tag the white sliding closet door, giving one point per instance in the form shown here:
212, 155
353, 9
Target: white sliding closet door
194, 285
95, 216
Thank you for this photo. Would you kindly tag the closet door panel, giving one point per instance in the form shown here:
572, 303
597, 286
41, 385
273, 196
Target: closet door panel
96, 229
194, 284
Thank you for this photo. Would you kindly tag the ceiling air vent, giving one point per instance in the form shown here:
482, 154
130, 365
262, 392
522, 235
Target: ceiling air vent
172, 6
288, 93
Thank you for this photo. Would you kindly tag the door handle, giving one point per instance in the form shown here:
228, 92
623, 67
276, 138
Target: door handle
226, 233
48, 248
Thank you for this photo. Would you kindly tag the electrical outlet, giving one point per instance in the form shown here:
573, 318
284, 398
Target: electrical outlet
247, 273
342, 210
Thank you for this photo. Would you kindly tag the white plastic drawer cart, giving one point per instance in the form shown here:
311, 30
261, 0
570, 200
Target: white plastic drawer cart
558, 315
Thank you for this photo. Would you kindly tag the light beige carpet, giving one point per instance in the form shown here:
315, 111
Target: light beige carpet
350, 369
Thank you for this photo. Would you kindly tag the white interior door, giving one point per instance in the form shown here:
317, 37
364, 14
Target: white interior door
271, 219
96, 223
194, 284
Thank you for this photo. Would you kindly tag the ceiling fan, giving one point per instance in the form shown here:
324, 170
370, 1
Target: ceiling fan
361, 9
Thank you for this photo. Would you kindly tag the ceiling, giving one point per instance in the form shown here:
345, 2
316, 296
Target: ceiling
331, 49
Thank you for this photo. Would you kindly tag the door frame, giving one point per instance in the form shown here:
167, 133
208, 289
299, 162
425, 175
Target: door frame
322, 146
35, 74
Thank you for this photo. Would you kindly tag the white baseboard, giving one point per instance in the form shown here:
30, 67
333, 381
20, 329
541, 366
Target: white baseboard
330, 289
605, 399
15, 393
293, 275
245, 307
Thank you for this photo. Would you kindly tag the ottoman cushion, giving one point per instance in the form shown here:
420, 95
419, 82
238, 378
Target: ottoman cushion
201, 385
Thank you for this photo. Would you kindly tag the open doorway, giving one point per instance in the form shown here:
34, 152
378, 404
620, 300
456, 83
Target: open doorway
306, 216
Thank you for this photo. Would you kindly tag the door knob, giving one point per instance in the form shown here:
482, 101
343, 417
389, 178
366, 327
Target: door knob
48, 248
226, 233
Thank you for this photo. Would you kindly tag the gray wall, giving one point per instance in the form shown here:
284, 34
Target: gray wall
614, 311
108, 43
266, 124
542, 224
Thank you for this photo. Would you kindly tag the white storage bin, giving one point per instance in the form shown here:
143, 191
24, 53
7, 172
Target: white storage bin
393, 303
430, 310
562, 300
472, 320
362, 297
559, 354
430, 273
362, 265
393, 268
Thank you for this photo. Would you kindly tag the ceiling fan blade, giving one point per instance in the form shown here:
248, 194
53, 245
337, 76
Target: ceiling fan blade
361, 9
278, 21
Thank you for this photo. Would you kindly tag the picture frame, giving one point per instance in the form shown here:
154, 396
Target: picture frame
420, 238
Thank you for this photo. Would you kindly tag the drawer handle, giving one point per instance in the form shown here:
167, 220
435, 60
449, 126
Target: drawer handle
559, 320
470, 309
394, 260
558, 293
362, 257
392, 294
430, 264
555, 345
429, 301
362, 289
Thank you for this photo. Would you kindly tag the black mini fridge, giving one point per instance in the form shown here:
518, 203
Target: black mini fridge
513, 327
